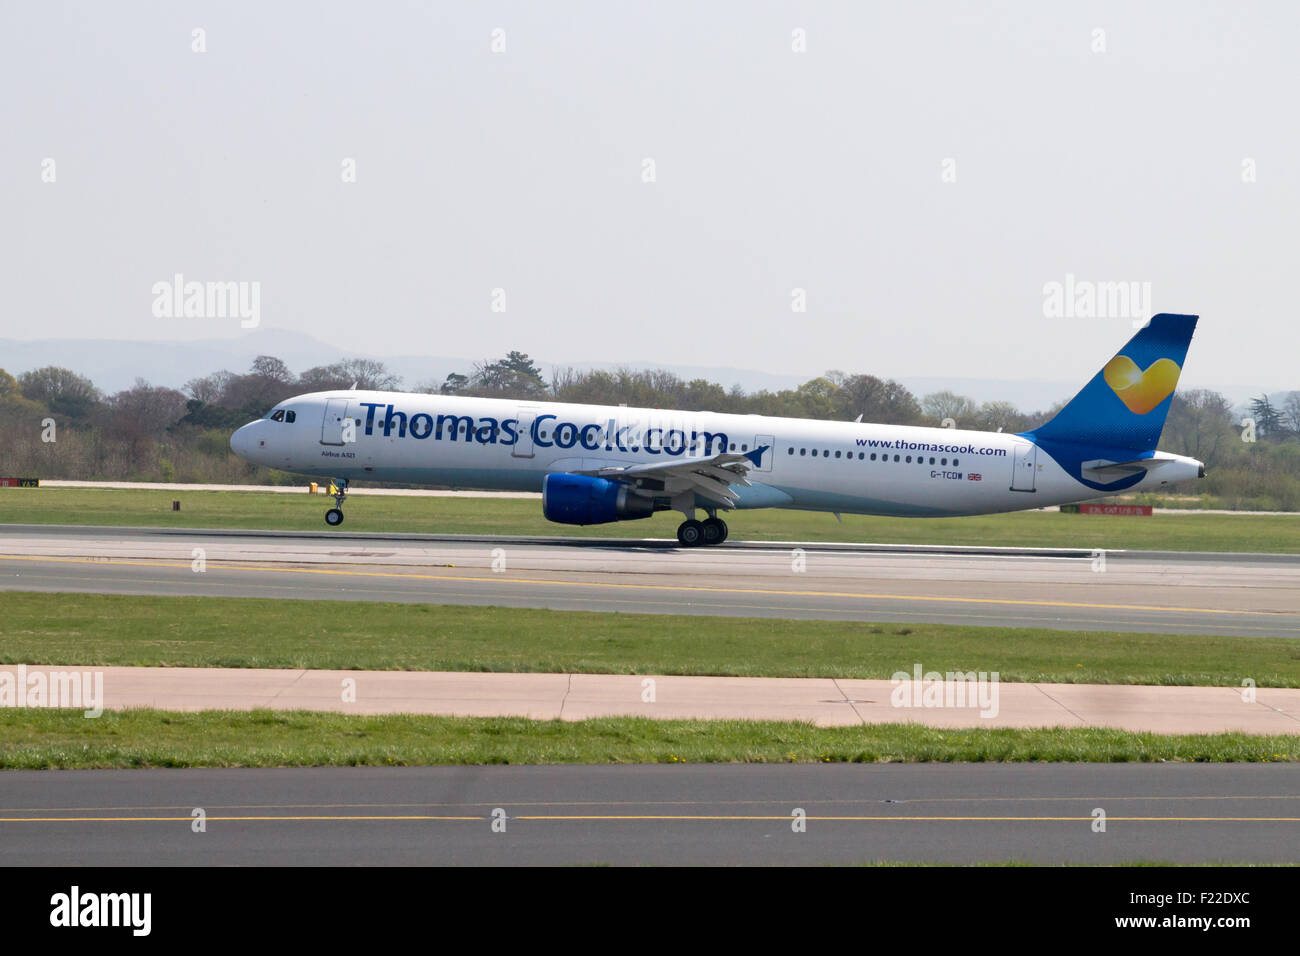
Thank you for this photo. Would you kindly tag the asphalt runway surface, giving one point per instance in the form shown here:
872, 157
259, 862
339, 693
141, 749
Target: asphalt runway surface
1155, 592
678, 814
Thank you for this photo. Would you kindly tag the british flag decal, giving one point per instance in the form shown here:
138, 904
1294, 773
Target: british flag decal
974, 477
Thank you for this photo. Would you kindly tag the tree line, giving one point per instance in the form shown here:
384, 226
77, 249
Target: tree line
57, 424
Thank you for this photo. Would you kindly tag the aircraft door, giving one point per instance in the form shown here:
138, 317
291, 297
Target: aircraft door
1024, 467
523, 446
765, 462
331, 427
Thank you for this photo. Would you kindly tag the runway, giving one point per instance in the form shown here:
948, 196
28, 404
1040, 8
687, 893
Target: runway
693, 814
1156, 592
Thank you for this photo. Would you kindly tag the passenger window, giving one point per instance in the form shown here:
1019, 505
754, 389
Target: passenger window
873, 456
803, 451
909, 459
895, 458
954, 462
744, 448
790, 450
837, 454
943, 461
862, 455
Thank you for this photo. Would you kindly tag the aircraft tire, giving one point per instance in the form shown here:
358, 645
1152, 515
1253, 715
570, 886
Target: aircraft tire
715, 531
690, 534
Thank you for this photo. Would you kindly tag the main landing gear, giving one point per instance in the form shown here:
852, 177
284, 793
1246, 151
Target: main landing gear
334, 517
694, 534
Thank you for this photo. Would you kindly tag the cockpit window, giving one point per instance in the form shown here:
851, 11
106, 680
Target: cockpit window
290, 417
277, 415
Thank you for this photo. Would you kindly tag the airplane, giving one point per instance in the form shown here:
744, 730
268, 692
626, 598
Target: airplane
595, 464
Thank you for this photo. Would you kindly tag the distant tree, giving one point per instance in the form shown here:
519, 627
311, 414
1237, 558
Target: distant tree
142, 413
64, 392
703, 395
521, 364
819, 398
267, 383
514, 376
15, 408
324, 378
203, 415
210, 389
8, 385
886, 402
992, 416
368, 374
1291, 412
945, 404
1200, 425
453, 384
271, 368
1268, 420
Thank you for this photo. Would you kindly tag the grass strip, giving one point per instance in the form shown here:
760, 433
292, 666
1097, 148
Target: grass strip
51, 739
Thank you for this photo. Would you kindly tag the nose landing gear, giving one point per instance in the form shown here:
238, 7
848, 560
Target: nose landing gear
339, 488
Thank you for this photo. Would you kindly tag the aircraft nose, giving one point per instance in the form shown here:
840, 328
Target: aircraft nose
241, 440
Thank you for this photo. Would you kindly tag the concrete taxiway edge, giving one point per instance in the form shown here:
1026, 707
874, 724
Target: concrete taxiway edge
823, 701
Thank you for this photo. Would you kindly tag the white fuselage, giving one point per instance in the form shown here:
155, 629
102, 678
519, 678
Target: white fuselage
495, 444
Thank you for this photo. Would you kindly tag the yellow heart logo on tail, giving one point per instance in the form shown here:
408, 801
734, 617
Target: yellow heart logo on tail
1141, 391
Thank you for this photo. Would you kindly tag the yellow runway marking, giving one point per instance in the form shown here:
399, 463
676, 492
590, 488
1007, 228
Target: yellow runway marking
1000, 618
662, 818
926, 819
642, 803
258, 819
262, 569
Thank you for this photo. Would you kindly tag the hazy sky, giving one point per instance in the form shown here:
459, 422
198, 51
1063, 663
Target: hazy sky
1115, 156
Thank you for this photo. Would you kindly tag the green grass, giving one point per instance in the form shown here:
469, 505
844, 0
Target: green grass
249, 509
48, 739
104, 629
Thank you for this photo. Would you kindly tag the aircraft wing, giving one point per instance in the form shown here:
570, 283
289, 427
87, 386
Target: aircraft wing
711, 478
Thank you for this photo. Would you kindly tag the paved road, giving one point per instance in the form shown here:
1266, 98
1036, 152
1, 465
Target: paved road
1156, 592
698, 814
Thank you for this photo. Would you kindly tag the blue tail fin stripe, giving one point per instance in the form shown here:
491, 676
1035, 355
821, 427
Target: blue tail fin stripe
1098, 416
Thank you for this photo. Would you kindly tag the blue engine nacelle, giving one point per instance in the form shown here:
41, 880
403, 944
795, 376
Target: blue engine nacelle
581, 499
